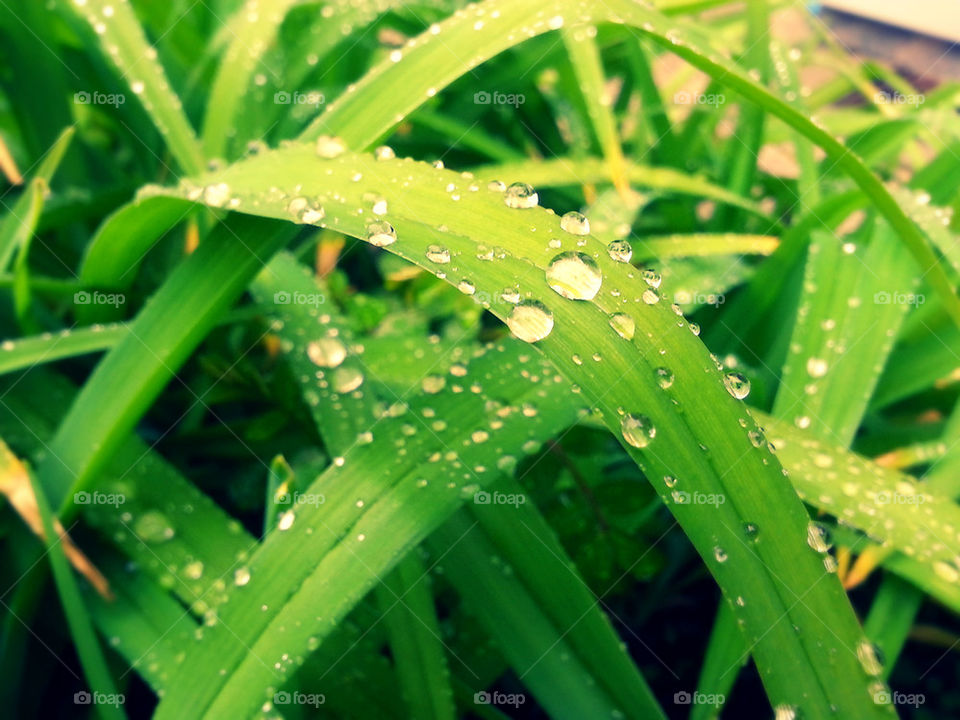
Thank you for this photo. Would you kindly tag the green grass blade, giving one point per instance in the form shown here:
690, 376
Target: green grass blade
126, 46
268, 183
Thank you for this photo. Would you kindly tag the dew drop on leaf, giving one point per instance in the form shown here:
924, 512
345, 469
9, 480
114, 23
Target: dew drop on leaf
620, 250
638, 430
623, 325
664, 377
326, 352
381, 234
521, 196
575, 223
737, 385
384, 152
574, 275
530, 321
153, 527
329, 147
818, 538
346, 379
438, 254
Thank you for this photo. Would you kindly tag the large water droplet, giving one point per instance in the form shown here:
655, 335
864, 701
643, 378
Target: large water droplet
153, 527
438, 254
346, 379
638, 430
624, 325
575, 223
620, 250
870, 657
521, 196
329, 147
574, 275
737, 385
530, 321
381, 234
326, 352
818, 537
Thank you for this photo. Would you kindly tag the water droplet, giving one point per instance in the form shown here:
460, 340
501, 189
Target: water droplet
305, 211
381, 234
946, 571
574, 275
818, 538
329, 147
286, 520
496, 186
816, 367
241, 576
737, 385
438, 254
521, 196
751, 531
575, 223
326, 352
216, 195
510, 295
153, 527
384, 152
624, 325
620, 250
530, 321
466, 287
870, 657
664, 377
638, 430
720, 554
432, 384
651, 278
346, 379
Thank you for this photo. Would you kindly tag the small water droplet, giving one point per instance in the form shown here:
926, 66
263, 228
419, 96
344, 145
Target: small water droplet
575, 223
326, 352
737, 385
620, 250
664, 377
624, 325
329, 147
438, 254
381, 234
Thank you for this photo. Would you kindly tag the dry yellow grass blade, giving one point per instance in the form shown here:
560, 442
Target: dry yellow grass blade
15, 485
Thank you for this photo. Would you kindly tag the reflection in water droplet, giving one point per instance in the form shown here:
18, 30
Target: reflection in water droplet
575, 223
574, 275
381, 234
326, 352
624, 325
521, 196
737, 385
638, 430
620, 250
530, 321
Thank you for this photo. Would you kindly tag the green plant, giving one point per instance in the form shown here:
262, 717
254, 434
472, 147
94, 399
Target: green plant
300, 450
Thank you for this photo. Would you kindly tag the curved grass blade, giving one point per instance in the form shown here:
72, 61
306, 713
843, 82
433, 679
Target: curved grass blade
27, 352
428, 67
795, 667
